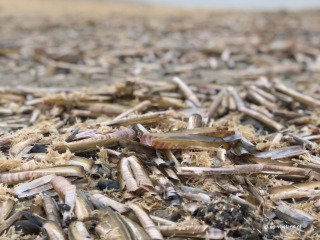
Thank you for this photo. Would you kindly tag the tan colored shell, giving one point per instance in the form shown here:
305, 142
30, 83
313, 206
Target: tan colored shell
98, 141
54, 231
146, 222
50, 209
16, 149
12, 178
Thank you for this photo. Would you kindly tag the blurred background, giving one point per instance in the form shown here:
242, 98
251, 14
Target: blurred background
92, 42
238, 4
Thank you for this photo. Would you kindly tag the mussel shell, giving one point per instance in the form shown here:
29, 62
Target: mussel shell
27, 227
64, 207
108, 184
32, 218
72, 134
39, 148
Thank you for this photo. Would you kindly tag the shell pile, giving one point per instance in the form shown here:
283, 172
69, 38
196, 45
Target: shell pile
212, 133
198, 162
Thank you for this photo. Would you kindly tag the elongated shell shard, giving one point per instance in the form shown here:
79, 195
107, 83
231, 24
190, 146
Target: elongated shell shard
187, 92
282, 152
148, 118
146, 222
138, 232
133, 176
248, 168
54, 231
6, 208
67, 191
307, 100
254, 114
97, 141
30, 165
193, 231
212, 111
294, 216
33, 184
183, 142
16, 149
197, 139
50, 207
301, 190
12, 178
82, 208
36, 190
81, 161
103, 201
60, 184
77, 231
113, 226
138, 107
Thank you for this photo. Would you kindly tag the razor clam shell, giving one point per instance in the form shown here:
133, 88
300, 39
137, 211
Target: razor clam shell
81, 161
30, 165
72, 134
137, 231
50, 208
184, 142
148, 118
140, 106
294, 216
146, 222
33, 184
35, 191
133, 177
194, 231
197, 197
6, 207
9, 221
100, 200
77, 230
301, 190
54, 231
83, 207
67, 192
16, 149
212, 112
15, 177
248, 168
282, 152
97, 141
85, 134
307, 100
112, 221
187, 92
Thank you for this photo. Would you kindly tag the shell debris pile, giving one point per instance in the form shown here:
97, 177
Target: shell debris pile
213, 131
144, 160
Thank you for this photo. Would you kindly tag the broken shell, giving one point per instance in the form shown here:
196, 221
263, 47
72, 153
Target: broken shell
77, 230
54, 231
6, 208
12, 178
